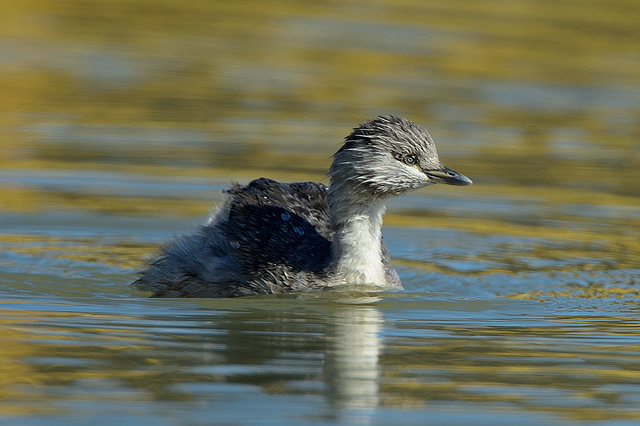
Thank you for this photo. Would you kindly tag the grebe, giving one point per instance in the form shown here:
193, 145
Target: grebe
272, 237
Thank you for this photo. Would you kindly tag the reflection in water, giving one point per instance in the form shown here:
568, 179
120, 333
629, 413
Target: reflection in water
351, 360
220, 356
167, 359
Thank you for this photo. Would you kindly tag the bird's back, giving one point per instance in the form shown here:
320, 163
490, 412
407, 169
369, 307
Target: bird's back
274, 224
269, 237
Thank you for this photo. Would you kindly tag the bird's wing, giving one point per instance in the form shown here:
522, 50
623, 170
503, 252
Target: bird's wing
271, 223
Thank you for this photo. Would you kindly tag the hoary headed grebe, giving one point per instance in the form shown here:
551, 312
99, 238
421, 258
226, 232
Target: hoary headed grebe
272, 237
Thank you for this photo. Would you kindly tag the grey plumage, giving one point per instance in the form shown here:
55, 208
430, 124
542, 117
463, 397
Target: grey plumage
272, 237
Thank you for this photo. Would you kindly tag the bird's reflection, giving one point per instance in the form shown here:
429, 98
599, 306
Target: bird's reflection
286, 346
351, 368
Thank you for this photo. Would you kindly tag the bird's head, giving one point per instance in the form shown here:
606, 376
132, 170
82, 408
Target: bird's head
388, 156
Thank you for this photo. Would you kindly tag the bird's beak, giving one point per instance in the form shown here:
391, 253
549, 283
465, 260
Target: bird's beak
448, 176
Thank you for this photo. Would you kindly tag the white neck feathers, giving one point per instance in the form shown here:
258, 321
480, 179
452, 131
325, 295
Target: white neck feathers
356, 248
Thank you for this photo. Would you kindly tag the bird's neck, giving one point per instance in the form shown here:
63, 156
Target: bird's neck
356, 248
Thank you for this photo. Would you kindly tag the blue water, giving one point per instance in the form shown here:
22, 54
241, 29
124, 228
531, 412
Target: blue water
122, 123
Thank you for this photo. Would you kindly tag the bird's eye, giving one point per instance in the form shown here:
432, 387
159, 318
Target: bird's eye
410, 160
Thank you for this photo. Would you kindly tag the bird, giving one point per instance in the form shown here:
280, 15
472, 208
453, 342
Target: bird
274, 238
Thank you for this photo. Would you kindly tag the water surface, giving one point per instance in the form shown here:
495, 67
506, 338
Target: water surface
122, 121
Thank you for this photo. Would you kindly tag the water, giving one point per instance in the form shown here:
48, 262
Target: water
122, 121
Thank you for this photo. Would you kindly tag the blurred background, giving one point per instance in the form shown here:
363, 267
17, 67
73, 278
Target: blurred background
539, 95
122, 120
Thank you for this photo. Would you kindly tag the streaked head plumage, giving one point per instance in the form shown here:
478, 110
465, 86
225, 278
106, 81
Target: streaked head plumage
388, 156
